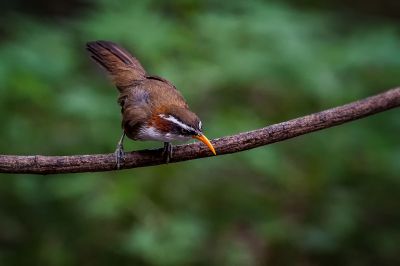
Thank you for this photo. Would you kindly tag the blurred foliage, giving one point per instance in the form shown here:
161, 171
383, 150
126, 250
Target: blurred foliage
328, 198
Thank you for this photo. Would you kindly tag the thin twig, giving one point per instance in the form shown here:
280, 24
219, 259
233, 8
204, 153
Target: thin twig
38, 164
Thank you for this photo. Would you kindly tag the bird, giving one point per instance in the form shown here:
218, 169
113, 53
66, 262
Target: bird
152, 108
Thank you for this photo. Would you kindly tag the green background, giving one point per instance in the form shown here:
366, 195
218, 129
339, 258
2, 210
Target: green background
327, 198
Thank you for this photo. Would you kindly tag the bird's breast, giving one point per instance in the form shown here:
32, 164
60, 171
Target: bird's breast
152, 133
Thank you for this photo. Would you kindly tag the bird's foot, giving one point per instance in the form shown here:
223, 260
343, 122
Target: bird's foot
119, 156
167, 152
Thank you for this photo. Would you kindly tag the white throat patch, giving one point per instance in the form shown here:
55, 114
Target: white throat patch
151, 133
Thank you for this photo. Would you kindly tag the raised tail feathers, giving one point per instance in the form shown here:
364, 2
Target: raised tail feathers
123, 68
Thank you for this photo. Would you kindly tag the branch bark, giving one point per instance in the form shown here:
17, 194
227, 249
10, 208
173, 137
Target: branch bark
39, 164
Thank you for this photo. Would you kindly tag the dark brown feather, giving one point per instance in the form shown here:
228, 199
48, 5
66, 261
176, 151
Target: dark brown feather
123, 68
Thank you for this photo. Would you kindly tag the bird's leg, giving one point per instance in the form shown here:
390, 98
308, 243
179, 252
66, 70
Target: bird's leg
119, 152
167, 152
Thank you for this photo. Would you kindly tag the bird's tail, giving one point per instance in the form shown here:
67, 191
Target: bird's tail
123, 68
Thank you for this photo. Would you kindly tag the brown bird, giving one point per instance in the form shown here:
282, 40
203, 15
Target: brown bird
152, 108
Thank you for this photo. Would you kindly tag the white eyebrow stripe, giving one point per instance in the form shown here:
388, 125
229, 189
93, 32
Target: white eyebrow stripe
176, 122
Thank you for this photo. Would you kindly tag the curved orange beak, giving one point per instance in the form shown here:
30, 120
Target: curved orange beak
205, 140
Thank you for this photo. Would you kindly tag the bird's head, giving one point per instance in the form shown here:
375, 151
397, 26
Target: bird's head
181, 124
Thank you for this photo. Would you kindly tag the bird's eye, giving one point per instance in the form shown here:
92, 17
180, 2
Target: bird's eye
185, 131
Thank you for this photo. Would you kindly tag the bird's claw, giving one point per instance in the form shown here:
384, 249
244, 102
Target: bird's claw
119, 156
167, 152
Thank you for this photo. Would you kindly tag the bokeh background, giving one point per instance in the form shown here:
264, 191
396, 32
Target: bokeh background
327, 198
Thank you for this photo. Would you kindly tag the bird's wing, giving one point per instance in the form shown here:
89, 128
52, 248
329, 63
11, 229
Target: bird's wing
163, 93
123, 68
163, 80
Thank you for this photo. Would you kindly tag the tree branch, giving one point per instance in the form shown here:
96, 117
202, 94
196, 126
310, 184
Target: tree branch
244, 141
